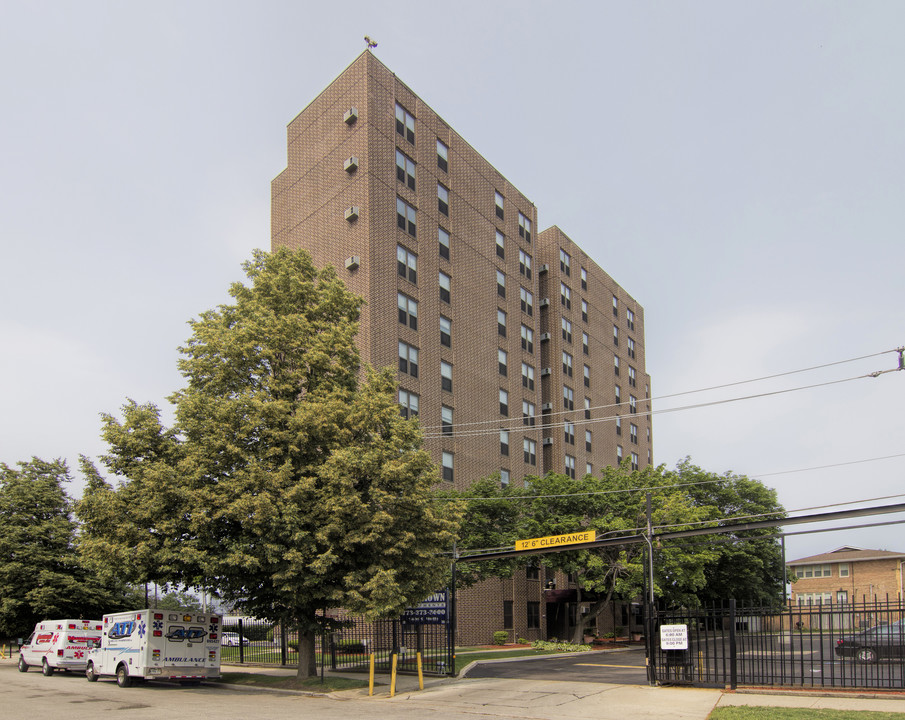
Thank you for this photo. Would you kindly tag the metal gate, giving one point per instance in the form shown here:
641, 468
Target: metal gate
846, 645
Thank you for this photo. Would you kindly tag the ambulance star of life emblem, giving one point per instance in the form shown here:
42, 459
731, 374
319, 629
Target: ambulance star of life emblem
141, 629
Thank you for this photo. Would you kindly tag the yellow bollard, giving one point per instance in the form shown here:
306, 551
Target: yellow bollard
393, 677
371, 677
420, 673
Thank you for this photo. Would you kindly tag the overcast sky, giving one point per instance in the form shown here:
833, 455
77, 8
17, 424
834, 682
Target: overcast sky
739, 168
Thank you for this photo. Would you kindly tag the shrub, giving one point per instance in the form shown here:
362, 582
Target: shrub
500, 637
522, 641
559, 646
351, 646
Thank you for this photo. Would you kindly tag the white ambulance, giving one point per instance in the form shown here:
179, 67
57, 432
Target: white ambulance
157, 645
59, 645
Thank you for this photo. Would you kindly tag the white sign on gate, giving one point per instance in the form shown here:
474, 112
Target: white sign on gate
673, 637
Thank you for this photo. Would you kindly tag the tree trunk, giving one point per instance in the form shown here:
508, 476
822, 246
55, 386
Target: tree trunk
307, 657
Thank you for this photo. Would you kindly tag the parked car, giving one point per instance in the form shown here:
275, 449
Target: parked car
868, 646
232, 639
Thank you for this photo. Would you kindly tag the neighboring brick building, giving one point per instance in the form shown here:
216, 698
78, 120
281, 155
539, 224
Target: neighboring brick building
848, 574
518, 353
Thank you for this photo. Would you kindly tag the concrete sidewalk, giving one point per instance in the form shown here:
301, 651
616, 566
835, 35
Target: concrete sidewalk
563, 700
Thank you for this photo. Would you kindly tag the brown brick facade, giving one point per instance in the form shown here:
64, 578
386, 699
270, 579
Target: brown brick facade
848, 575
310, 200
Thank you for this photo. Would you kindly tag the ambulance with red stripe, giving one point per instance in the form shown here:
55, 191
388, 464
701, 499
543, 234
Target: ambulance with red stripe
59, 645
157, 645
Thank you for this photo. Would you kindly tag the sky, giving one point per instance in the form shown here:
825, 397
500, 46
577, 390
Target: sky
736, 167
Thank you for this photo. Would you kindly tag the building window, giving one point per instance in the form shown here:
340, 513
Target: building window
442, 199
407, 264
447, 466
631, 377
405, 169
533, 615
569, 433
527, 339
615, 306
528, 413
618, 425
616, 365
405, 124
584, 279
445, 331
524, 228
532, 570
585, 343
507, 615
587, 376
633, 433
619, 454
618, 392
843, 569
524, 263
631, 348
503, 359
501, 322
570, 466
527, 376
584, 310
615, 336
442, 156
635, 464
588, 469
501, 283
408, 404
504, 442
408, 310
443, 243
814, 571
527, 301
529, 448
500, 245
504, 403
632, 404
445, 286
842, 597
587, 408
630, 319
566, 329
504, 477
406, 217
408, 359
498, 203
446, 375
565, 296
587, 440
565, 262
446, 419
814, 598
568, 398
566, 363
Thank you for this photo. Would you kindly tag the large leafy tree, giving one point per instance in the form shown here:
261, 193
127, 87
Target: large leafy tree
41, 575
290, 482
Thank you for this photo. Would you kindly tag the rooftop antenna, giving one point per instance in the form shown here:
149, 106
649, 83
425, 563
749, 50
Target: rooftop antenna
371, 43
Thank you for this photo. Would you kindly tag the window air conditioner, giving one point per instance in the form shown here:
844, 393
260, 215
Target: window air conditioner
352, 213
351, 165
545, 372
353, 262
548, 441
546, 407
544, 337
545, 302
543, 268
351, 116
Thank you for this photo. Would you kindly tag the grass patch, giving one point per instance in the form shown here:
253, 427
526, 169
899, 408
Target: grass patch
780, 713
330, 684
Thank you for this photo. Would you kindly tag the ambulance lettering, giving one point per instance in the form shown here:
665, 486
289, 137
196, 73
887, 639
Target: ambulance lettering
121, 629
178, 633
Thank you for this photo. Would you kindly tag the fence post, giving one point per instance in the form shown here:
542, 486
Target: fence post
283, 642
241, 643
733, 657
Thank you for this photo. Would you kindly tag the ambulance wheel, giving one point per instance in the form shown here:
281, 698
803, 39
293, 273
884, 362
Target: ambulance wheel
23, 666
45, 668
122, 676
90, 674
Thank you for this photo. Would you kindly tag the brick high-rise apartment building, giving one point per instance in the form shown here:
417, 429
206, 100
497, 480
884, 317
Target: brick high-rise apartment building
514, 348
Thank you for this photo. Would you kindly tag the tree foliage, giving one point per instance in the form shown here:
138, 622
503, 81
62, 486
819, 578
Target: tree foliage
614, 504
290, 482
41, 575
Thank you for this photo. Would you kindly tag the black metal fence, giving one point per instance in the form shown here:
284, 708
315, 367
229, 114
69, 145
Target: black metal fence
848, 645
248, 641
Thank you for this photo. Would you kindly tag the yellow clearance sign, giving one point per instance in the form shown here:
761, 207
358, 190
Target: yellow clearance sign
585, 536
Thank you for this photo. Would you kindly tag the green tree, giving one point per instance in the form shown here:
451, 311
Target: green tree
41, 576
176, 600
748, 565
290, 482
